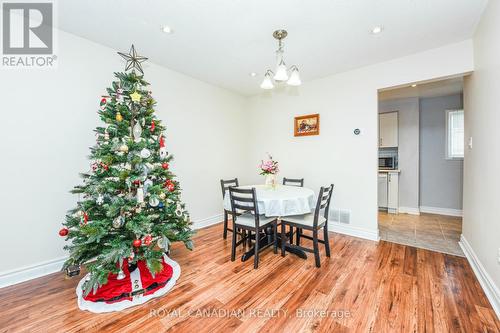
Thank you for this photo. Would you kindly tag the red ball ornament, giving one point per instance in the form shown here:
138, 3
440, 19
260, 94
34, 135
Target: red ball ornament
137, 182
170, 187
152, 129
147, 240
164, 166
63, 232
136, 243
85, 217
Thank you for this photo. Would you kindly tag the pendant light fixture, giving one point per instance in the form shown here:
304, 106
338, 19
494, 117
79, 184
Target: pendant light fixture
282, 74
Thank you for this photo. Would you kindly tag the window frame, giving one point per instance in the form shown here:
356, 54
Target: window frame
448, 136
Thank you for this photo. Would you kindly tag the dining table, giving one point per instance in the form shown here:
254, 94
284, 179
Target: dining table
278, 201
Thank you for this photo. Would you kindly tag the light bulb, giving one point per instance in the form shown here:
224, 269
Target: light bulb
294, 77
281, 72
267, 83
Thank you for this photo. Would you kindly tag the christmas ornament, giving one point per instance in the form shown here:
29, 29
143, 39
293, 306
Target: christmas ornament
179, 210
145, 153
162, 141
133, 59
137, 132
140, 194
123, 148
120, 275
119, 117
63, 232
170, 187
118, 222
152, 128
100, 199
136, 243
119, 95
153, 201
147, 184
164, 166
147, 240
135, 96
106, 135
104, 166
163, 153
94, 166
85, 218
162, 195
102, 104
161, 205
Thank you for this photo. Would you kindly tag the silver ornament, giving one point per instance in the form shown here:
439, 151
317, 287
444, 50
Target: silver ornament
118, 222
145, 153
100, 199
153, 201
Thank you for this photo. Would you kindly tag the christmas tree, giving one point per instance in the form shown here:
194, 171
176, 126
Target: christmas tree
129, 209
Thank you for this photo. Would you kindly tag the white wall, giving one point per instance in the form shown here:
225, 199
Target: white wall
441, 179
345, 101
481, 226
408, 149
48, 119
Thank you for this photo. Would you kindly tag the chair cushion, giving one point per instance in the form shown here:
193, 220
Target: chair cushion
248, 219
306, 219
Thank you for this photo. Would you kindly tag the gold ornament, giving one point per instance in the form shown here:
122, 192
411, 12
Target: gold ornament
123, 148
135, 96
119, 116
162, 195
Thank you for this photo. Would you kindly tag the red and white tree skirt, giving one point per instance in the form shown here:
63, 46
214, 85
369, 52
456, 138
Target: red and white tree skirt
138, 287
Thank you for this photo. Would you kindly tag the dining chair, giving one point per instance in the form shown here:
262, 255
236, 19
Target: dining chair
293, 182
246, 217
225, 184
313, 222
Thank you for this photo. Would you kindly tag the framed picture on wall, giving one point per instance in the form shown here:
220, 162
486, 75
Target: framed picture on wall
306, 125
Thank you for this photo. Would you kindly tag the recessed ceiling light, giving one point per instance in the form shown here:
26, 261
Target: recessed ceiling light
166, 29
413, 85
376, 30
253, 74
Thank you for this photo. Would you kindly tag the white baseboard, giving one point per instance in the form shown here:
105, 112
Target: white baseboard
490, 289
409, 210
31, 272
354, 231
206, 222
441, 211
48, 267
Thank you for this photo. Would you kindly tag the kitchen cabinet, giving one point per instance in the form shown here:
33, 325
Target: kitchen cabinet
388, 190
388, 129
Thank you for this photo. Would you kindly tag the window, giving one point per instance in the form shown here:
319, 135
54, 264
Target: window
454, 134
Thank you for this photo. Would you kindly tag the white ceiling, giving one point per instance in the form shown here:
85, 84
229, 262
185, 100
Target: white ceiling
431, 89
222, 41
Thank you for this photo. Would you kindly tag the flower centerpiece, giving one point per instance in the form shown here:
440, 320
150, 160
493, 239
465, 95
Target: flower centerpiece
269, 169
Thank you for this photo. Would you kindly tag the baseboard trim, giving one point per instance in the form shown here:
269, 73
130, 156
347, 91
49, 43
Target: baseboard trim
206, 222
409, 210
354, 231
31, 272
490, 289
441, 211
27, 273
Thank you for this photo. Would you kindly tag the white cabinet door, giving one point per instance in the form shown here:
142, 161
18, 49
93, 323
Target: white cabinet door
388, 129
393, 192
382, 190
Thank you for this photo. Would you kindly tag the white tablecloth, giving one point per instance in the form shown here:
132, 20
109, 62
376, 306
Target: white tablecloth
280, 201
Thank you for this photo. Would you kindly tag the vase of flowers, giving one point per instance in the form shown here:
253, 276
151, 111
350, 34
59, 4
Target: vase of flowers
269, 168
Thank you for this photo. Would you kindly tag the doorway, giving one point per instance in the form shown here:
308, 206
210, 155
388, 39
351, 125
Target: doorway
420, 179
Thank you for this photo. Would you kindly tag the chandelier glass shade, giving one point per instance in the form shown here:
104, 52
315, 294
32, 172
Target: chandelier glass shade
282, 74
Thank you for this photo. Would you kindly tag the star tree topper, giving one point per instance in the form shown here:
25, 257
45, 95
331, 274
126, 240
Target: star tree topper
133, 59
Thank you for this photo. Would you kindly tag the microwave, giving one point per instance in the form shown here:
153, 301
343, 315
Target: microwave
387, 162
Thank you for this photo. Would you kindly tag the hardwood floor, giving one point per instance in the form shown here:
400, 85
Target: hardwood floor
364, 287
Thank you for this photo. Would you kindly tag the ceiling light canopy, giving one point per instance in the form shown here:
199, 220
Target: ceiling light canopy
166, 29
378, 29
282, 74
